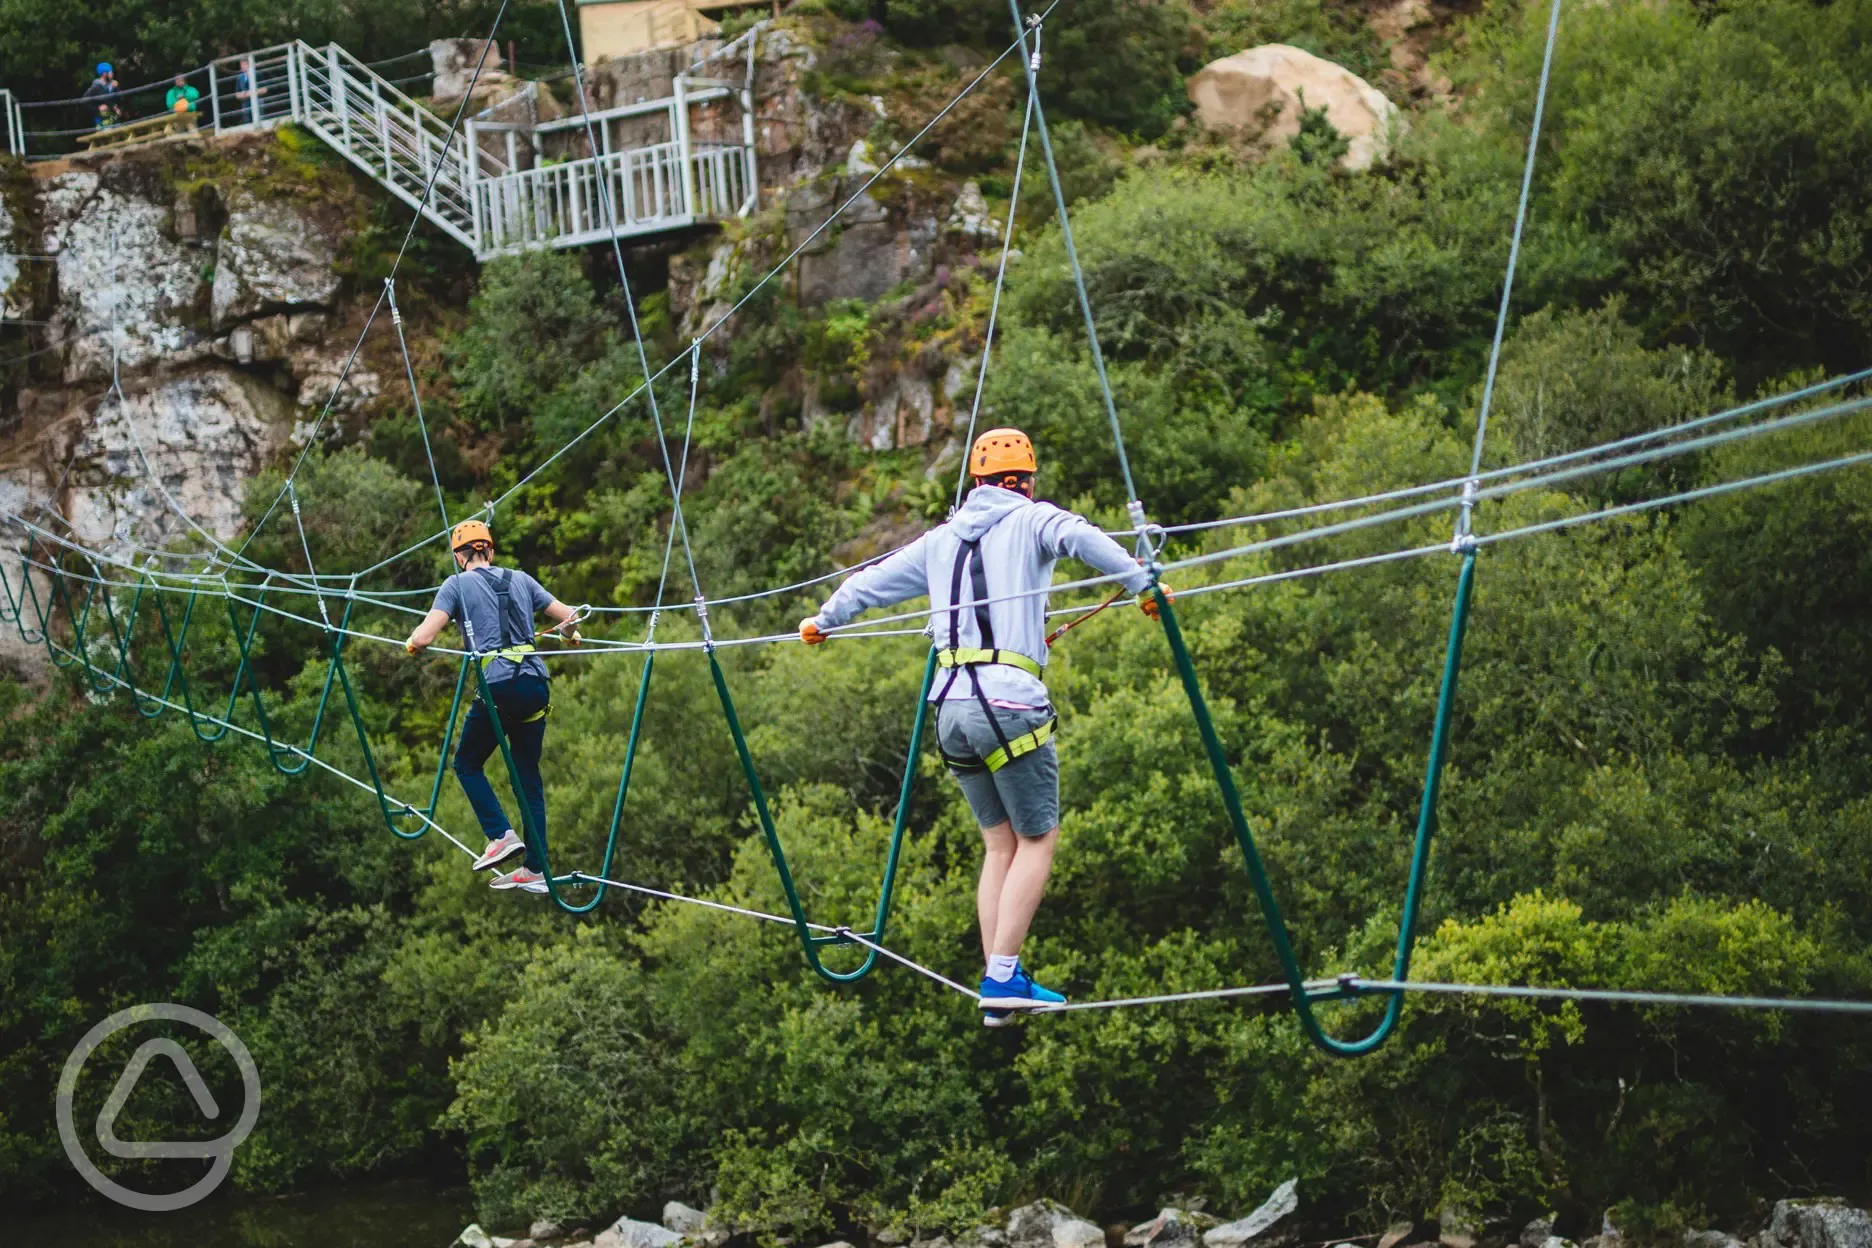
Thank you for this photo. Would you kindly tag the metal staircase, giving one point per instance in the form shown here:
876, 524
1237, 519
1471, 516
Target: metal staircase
482, 196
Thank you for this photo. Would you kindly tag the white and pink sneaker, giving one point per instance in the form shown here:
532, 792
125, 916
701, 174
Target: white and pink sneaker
501, 848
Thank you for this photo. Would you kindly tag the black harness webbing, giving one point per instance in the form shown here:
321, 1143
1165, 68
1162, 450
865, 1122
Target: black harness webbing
516, 639
958, 660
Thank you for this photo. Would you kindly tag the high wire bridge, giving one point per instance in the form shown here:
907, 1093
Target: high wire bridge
102, 598
488, 182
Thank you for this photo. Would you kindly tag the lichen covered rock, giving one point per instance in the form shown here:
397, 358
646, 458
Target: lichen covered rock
272, 258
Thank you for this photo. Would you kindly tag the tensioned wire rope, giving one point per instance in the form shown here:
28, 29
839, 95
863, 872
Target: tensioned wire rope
1585, 465
1462, 543
826, 934
387, 295
236, 557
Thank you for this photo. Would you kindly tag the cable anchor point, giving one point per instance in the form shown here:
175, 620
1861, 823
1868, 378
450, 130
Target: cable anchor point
396, 313
1463, 541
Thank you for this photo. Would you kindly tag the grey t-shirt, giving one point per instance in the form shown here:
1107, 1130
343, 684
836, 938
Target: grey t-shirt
479, 603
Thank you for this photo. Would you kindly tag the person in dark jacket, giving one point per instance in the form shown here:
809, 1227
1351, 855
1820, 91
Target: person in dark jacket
495, 608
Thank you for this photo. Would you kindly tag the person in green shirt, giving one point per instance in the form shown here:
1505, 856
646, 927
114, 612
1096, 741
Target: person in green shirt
181, 97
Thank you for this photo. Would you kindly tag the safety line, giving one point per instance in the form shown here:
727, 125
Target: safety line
677, 523
1514, 470
870, 628
1031, 64
408, 234
1811, 1005
1514, 245
409, 372
711, 331
994, 304
1531, 467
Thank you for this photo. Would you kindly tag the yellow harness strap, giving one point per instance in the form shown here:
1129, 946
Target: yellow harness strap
966, 657
1024, 744
512, 654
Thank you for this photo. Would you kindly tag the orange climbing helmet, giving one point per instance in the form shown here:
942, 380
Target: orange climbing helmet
468, 532
999, 451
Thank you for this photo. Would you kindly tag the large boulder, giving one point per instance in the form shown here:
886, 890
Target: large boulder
1818, 1224
684, 1219
1049, 1224
1260, 94
453, 61
1171, 1228
630, 1233
271, 257
1284, 1200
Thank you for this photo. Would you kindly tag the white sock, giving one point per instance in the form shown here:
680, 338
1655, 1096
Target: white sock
1002, 967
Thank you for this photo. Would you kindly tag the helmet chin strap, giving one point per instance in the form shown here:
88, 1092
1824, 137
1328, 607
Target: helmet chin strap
1020, 483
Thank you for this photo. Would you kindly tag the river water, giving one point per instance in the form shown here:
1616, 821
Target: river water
406, 1214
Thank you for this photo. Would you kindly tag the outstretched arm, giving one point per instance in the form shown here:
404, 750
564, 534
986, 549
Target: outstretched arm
563, 618
427, 631
1069, 534
899, 577
1072, 534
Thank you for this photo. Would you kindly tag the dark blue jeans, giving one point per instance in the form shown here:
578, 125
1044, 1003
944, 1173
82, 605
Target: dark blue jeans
520, 702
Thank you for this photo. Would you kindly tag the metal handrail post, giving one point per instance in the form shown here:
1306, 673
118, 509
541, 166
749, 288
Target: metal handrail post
680, 106
294, 86
340, 92
750, 203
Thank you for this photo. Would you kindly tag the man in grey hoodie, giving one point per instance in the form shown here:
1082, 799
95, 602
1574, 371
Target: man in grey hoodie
986, 573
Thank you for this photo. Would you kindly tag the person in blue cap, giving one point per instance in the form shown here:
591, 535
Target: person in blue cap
105, 84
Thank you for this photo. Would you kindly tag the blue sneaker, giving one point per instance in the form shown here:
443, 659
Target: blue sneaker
1017, 992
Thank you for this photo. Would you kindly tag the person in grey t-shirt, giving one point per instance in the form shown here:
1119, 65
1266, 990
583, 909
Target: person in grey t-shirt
495, 607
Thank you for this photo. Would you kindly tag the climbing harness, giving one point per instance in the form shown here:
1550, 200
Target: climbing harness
516, 635
958, 659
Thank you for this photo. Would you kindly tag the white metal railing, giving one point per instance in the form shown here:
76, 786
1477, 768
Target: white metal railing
252, 89
10, 122
485, 201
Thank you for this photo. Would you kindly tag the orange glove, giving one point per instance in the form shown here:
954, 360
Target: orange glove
810, 634
1147, 601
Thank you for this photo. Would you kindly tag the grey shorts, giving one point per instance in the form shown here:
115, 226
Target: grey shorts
1025, 792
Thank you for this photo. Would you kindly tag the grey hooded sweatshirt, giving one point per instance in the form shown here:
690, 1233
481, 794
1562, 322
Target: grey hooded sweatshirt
1020, 542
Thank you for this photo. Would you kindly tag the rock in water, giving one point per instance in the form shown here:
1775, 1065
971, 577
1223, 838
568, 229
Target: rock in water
1049, 1224
684, 1219
1819, 1224
545, 1228
1233, 1234
1537, 1232
1262, 92
474, 1237
1169, 1229
1710, 1239
630, 1233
